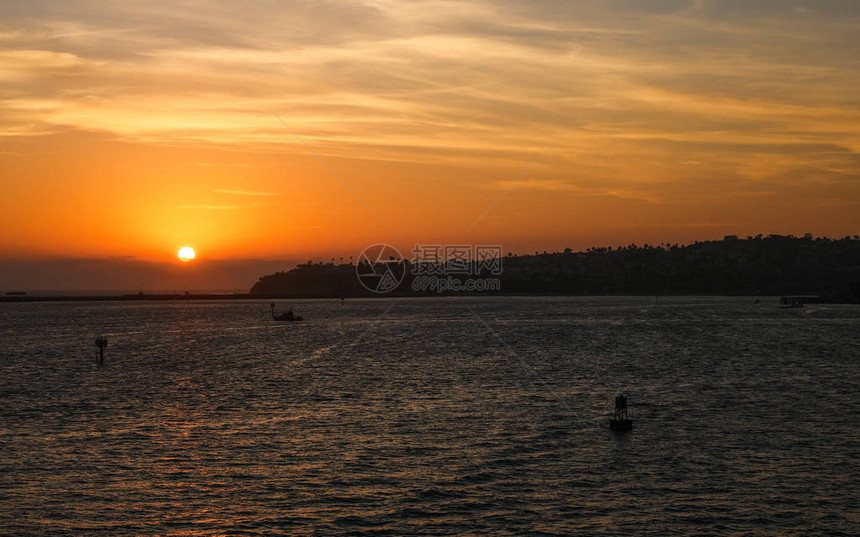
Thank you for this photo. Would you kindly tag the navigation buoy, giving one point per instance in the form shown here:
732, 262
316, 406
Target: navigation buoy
621, 422
101, 343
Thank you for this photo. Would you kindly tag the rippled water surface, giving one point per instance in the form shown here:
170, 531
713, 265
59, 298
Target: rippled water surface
460, 416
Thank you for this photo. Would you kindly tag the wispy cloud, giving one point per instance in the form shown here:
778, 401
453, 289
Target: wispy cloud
212, 207
217, 207
570, 186
435, 76
245, 192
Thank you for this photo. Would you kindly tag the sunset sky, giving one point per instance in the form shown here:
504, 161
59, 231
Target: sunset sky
130, 129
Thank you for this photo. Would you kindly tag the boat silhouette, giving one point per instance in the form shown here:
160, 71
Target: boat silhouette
287, 316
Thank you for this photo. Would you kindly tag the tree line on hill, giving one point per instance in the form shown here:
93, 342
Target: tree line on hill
761, 265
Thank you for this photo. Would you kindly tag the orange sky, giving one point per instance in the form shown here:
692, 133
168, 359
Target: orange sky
135, 128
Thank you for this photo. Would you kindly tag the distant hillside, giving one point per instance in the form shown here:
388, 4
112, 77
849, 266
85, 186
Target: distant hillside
772, 265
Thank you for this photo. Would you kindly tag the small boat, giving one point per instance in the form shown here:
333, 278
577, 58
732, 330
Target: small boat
288, 316
621, 422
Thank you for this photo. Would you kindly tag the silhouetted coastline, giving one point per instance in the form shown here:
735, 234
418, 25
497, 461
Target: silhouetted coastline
828, 269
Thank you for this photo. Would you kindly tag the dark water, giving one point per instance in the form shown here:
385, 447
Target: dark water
430, 417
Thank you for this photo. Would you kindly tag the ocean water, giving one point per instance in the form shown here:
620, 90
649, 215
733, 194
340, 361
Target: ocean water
449, 416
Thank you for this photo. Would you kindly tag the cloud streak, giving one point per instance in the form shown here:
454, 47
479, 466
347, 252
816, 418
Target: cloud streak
244, 192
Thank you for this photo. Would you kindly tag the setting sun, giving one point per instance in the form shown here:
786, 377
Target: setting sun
186, 254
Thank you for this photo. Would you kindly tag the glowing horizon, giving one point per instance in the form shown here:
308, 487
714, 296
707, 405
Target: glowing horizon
137, 128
